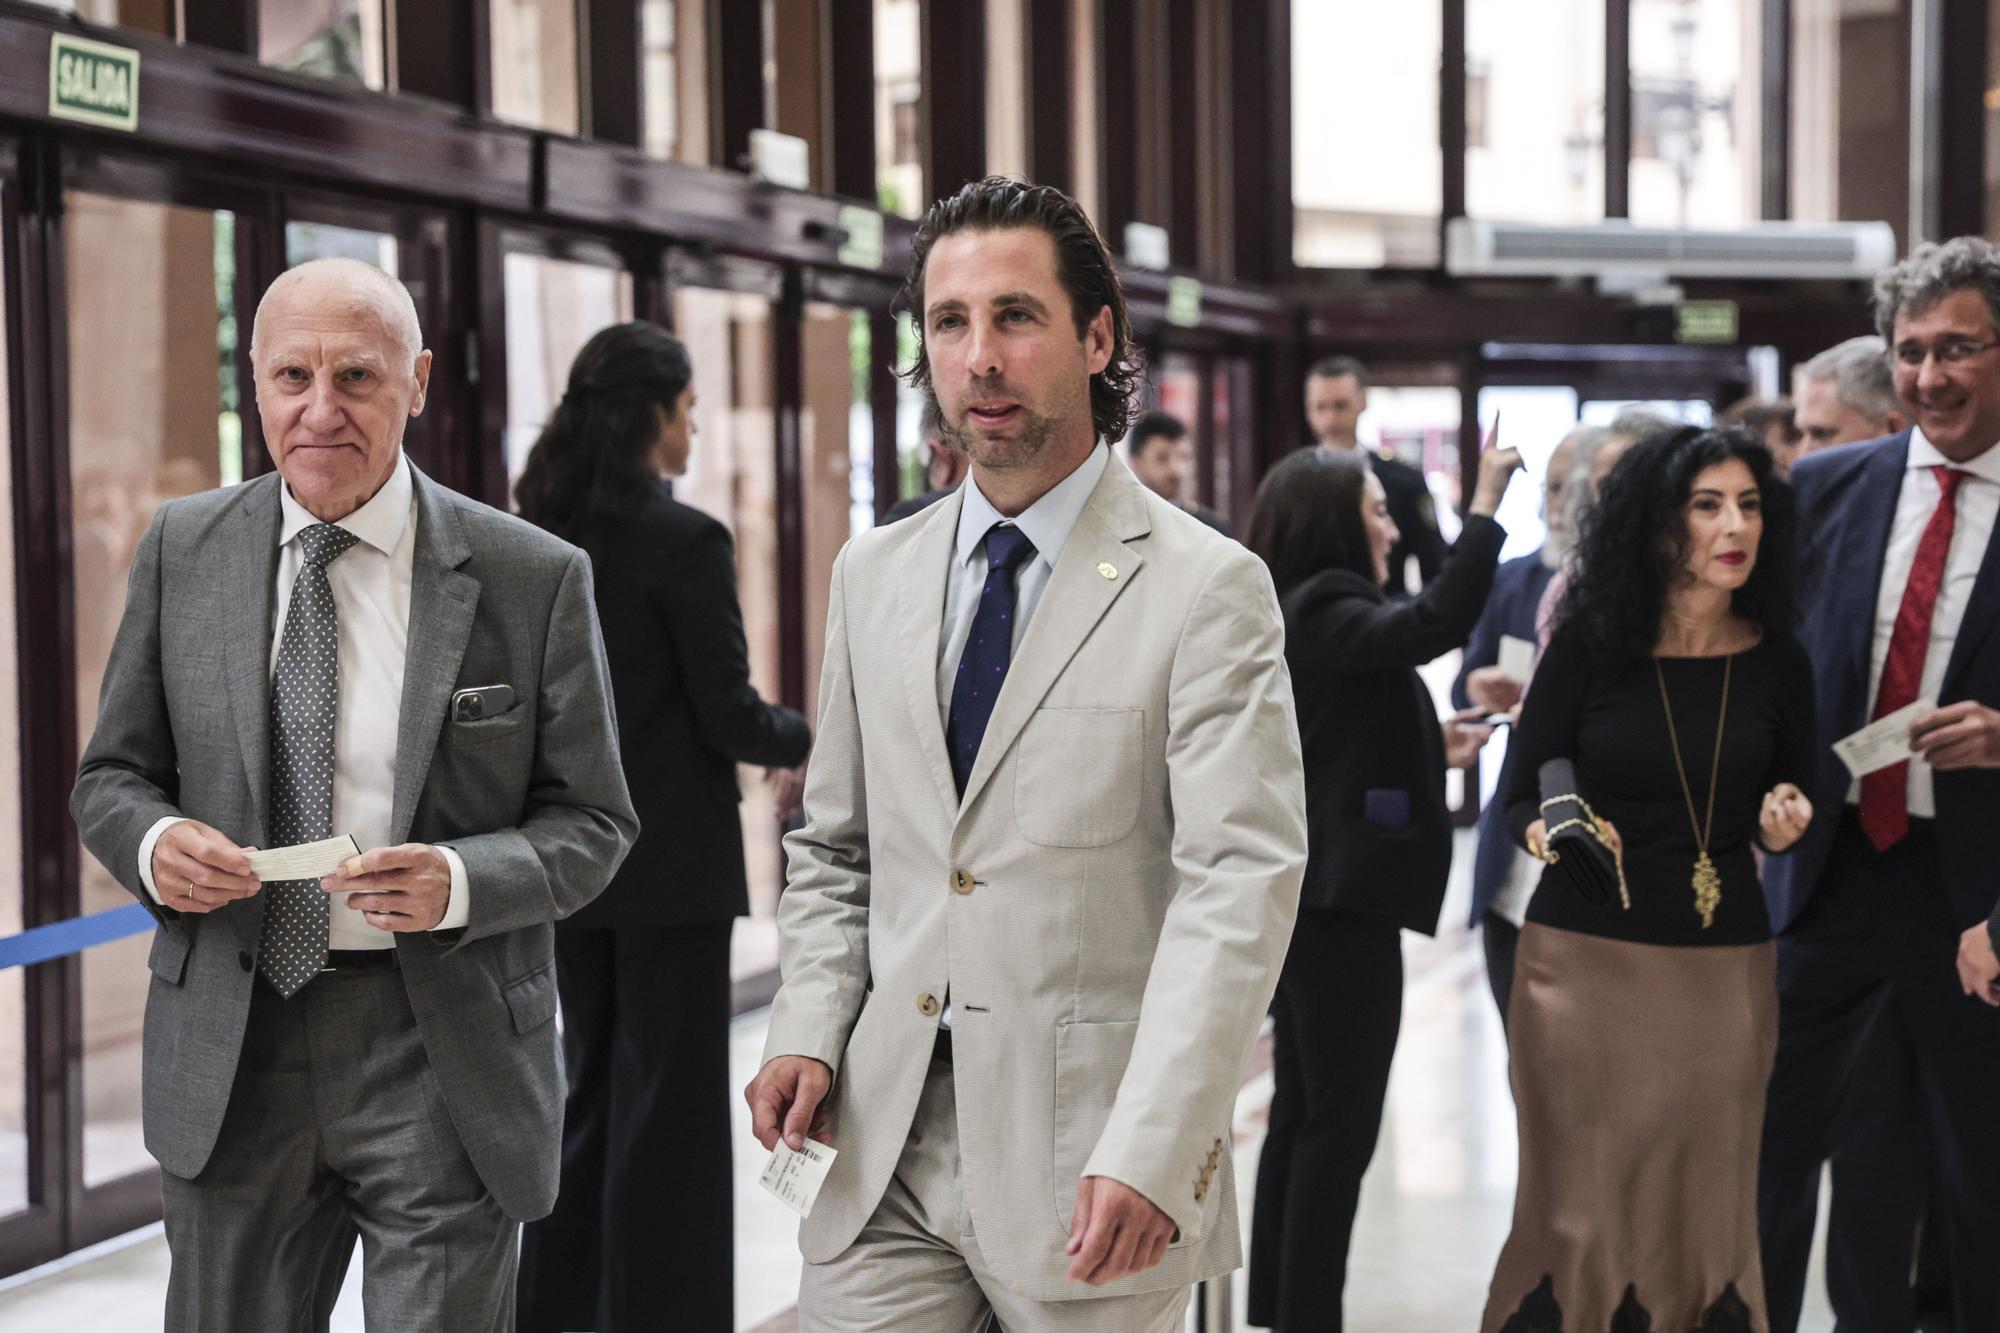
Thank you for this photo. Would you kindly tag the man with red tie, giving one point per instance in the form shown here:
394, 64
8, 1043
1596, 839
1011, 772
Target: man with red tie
1871, 908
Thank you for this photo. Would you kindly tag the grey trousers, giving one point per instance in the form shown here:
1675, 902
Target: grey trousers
336, 1128
916, 1268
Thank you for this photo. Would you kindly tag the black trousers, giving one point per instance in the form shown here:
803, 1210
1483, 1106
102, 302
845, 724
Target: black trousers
642, 1236
1871, 1017
1501, 938
1339, 1007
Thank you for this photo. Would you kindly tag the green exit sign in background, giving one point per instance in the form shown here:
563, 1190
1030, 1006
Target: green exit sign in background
93, 82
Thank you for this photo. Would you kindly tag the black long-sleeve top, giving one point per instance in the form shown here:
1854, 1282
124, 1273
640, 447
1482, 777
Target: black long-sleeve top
687, 716
1378, 833
1610, 721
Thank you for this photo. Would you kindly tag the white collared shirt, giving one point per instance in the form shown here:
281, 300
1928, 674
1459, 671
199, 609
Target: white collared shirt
371, 595
1978, 503
1047, 522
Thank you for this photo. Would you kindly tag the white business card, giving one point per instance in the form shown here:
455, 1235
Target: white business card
1517, 658
1882, 742
307, 860
795, 1177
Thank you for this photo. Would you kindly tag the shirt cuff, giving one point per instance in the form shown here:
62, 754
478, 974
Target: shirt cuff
458, 910
146, 845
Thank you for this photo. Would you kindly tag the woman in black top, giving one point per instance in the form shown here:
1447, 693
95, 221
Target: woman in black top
641, 1224
1378, 844
1642, 1030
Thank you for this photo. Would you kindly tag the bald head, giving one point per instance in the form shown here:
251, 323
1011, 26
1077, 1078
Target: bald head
340, 371
345, 288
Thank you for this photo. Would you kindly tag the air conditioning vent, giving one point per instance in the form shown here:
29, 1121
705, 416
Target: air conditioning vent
1842, 250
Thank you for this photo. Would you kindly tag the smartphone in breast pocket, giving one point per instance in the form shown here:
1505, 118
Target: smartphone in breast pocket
481, 701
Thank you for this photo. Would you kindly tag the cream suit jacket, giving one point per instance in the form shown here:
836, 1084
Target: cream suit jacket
1106, 910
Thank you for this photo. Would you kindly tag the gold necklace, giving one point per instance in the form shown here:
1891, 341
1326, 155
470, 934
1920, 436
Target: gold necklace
1707, 881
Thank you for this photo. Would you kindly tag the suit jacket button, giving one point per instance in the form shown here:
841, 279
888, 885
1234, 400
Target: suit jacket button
244, 959
927, 1005
961, 881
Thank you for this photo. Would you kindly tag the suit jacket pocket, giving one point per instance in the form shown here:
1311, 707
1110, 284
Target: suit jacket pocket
1090, 1064
1078, 776
486, 730
532, 999
169, 957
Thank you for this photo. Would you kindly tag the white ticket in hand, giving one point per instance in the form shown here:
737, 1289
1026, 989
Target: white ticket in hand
1517, 658
307, 860
795, 1177
1882, 742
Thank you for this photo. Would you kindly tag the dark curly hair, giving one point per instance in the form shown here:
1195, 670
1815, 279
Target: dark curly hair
1083, 265
1633, 543
593, 463
1307, 517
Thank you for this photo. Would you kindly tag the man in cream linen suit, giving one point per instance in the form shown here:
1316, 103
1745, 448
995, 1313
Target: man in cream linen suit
1055, 832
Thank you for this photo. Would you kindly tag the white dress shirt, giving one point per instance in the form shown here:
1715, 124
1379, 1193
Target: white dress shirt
1978, 504
1048, 523
371, 595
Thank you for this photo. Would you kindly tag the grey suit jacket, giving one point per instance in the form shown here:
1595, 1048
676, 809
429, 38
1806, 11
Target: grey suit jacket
1107, 908
533, 800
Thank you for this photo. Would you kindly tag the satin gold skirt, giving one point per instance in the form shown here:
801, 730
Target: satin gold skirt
1638, 1073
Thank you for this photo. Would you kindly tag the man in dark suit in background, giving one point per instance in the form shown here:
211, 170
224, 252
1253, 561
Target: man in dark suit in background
1336, 396
1161, 454
1503, 876
1874, 902
944, 469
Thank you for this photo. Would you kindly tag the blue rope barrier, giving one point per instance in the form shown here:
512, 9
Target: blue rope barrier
59, 939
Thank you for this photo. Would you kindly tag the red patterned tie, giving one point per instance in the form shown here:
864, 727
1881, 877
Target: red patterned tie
1885, 808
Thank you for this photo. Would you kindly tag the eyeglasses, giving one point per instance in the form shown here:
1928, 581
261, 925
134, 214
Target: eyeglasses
1948, 352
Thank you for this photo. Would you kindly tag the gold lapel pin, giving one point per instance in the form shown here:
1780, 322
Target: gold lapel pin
1109, 571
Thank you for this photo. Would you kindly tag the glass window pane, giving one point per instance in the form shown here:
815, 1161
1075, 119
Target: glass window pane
899, 173
333, 39
1694, 113
1367, 174
1176, 379
837, 441
1534, 110
322, 240
534, 63
553, 307
732, 474
660, 77
13, 1020
144, 280
1850, 138
143, 16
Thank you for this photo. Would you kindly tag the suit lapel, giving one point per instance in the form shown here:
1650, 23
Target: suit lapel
1981, 612
1864, 547
250, 562
920, 623
1076, 598
442, 602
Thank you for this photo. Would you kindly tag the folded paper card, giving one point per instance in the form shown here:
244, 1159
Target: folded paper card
307, 860
1882, 742
795, 1177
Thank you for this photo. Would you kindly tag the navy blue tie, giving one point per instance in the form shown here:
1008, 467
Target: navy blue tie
988, 648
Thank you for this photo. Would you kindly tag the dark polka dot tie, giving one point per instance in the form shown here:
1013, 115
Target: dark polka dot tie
303, 691
988, 649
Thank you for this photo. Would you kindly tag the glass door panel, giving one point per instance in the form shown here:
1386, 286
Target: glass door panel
837, 440
152, 400
13, 1009
553, 307
732, 474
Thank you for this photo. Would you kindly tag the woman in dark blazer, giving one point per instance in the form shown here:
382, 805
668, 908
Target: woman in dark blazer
1378, 844
641, 1230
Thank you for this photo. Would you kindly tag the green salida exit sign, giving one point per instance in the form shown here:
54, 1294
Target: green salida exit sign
93, 82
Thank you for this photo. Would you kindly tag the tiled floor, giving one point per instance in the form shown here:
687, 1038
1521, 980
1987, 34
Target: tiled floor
1434, 1208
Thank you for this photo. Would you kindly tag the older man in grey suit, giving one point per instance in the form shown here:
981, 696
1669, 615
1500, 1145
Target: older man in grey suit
347, 647
1055, 833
